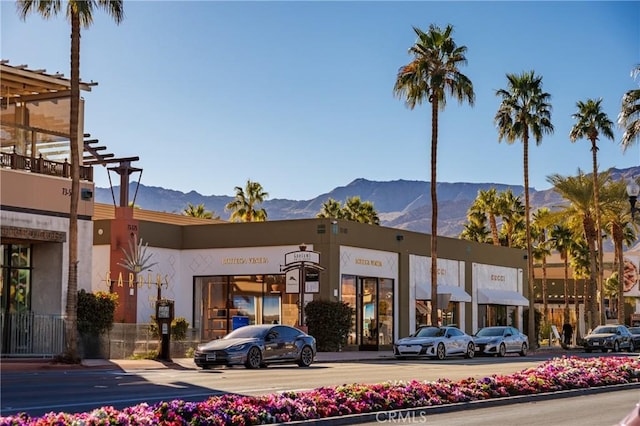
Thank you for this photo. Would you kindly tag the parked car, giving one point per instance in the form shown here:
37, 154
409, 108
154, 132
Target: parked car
609, 337
500, 340
435, 342
635, 333
256, 346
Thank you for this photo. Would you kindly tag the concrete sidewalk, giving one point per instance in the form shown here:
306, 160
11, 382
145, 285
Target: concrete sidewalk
39, 364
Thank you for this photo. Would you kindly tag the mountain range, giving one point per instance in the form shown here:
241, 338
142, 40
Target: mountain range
401, 204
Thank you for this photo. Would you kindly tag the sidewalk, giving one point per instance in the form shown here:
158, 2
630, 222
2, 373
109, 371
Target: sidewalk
39, 364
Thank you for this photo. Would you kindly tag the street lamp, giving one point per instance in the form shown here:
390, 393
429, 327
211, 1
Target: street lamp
632, 191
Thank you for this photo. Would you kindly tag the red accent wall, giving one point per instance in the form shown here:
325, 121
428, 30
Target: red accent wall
124, 231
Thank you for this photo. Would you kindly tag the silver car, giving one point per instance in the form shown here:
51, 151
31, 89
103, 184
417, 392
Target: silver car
255, 346
500, 340
435, 342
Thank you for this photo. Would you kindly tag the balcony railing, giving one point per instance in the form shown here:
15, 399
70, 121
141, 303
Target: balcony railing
42, 166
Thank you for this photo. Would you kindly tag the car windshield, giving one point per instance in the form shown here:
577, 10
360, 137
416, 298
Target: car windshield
604, 330
490, 332
246, 332
429, 332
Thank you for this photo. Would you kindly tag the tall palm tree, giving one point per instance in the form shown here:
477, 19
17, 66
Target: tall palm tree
561, 240
629, 117
580, 261
578, 191
617, 218
80, 15
591, 121
198, 211
432, 74
542, 220
244, 206
525, 110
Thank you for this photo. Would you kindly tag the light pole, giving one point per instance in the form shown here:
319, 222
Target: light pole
632, 191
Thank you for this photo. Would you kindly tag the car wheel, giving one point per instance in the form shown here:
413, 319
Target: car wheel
471, 351
206, 367
616, 346
306, 357
524, 350
632, 347
254, 358
605, 350
502, 350
441, 353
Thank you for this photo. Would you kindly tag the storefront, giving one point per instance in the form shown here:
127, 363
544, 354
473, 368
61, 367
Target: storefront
452, 295
498, 298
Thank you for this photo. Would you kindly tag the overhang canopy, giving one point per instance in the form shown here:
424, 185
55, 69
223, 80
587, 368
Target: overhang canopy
490, 296
423, 292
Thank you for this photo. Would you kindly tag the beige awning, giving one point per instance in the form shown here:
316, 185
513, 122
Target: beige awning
489, 296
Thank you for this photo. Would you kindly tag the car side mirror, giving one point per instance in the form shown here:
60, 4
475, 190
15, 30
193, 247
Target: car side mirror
508, 335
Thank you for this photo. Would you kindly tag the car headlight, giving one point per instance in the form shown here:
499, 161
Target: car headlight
610, 338
238, 347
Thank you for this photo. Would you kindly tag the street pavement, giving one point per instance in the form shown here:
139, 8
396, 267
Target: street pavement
34, 364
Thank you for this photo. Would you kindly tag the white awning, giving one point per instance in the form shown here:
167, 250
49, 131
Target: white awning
490, 296
457, 293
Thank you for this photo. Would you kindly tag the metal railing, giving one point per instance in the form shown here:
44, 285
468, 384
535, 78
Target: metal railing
31, 335
42, 166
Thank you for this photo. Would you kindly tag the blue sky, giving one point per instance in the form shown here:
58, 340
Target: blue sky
298, 95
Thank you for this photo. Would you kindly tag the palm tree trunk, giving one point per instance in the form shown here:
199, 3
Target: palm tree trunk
533, 338
434, 212
576, 306
566, 288
593, 271
545, 289
600, 279
71, 329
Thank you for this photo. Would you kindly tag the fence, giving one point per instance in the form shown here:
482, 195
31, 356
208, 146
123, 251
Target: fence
31, 335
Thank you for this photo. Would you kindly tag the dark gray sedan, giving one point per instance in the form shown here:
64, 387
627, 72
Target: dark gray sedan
609, 337
255, 346
500, 340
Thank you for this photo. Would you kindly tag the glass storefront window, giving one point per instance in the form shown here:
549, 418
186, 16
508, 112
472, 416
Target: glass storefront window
224, 303
16, 270
448, 316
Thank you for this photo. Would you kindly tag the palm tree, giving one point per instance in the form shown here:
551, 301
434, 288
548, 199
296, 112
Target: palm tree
358, 211
331, 209
578, 190
244, 206
617, 219
431, 75
525, 110
591, 122
561, 240
541, 223
580, 262
198, 211
629, 117
80, 14
489, 202
512, 219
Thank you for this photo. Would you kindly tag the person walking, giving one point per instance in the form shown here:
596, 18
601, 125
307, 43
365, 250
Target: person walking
567, 333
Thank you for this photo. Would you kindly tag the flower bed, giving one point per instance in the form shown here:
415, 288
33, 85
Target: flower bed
554, 375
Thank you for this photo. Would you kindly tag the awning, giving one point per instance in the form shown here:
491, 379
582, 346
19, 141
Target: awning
457, 293
489, 296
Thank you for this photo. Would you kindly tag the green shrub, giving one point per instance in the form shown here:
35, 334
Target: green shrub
179, 328
96, 312
329, 323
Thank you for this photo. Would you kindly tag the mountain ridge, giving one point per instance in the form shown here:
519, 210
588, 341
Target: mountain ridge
401, 204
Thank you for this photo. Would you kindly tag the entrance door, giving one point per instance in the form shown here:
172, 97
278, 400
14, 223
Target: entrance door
368, 313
